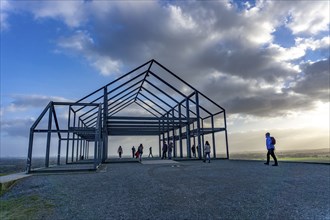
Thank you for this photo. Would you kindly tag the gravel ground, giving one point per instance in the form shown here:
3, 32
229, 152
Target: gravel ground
188, 190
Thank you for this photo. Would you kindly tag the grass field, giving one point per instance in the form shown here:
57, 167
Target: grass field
24, 207
314, 156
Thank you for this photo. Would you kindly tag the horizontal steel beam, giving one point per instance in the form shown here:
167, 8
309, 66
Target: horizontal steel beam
114, 118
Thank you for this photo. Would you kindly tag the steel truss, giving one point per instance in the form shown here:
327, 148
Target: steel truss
173, 110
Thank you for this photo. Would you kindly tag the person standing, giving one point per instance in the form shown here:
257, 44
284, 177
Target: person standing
193, 150
170, 149
150, 152
270, 145
164, 149
120, 151
207, 150
140, 150
133, 151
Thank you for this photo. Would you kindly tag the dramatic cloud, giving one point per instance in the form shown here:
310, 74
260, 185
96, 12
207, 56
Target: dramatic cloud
232, 46
229, 50
314, 80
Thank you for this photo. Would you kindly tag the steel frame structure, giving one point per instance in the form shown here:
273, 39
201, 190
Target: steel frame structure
176, 112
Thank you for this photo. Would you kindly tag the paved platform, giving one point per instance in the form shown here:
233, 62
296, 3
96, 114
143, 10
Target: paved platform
7, 180
13, 177
222, 189
150, 162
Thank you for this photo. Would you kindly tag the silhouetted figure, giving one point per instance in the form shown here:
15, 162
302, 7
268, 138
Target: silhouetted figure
207, 150
270, 144
193, 150
164, 149
170, 149
150, 152
120, 151
133, 151
140, 150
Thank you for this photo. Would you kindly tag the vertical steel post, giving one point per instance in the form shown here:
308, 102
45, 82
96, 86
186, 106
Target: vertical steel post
97, 145
173, 134
59, 152
87, 152
81, 149
49, 134
198, 125
29, 158
159, 139
105, 125
180, 131
188, 128
168, 129
224, 116
73, 135
159, 145
78, 141
213, 138
85, 149
203, 141
68, 136
194, 138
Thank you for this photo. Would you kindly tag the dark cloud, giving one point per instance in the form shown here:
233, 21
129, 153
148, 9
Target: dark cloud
197, 40
314, 81
268, 105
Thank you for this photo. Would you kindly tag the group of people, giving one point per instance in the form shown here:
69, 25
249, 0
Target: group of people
136, 153
168, 149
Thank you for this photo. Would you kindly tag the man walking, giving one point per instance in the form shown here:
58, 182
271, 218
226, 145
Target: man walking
270, 142
150, 152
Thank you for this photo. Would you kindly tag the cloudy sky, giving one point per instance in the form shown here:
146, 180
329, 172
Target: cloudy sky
265, 62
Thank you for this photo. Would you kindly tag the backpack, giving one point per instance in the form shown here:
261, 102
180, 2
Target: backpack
273, 140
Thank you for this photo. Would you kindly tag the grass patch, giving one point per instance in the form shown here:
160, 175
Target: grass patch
25, 207
307, 159
6, 186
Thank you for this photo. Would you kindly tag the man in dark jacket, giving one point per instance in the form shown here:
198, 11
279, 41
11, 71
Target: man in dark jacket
164, 149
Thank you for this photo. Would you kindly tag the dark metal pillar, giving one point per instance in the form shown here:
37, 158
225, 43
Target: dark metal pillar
49, 134
73, 136
224, 116
68, 136
29, 158
159, 145
213, 138
173, 134
188, 128
105, 126
180, 132
198, 126
78, 141
168, 129
59, 152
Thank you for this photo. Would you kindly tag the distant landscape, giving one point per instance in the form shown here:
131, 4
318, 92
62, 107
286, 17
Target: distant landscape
315, 155
13, 165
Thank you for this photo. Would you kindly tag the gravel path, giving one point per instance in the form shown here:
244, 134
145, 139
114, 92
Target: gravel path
188, 190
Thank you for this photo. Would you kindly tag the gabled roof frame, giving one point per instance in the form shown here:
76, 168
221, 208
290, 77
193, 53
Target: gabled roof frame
171, 111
